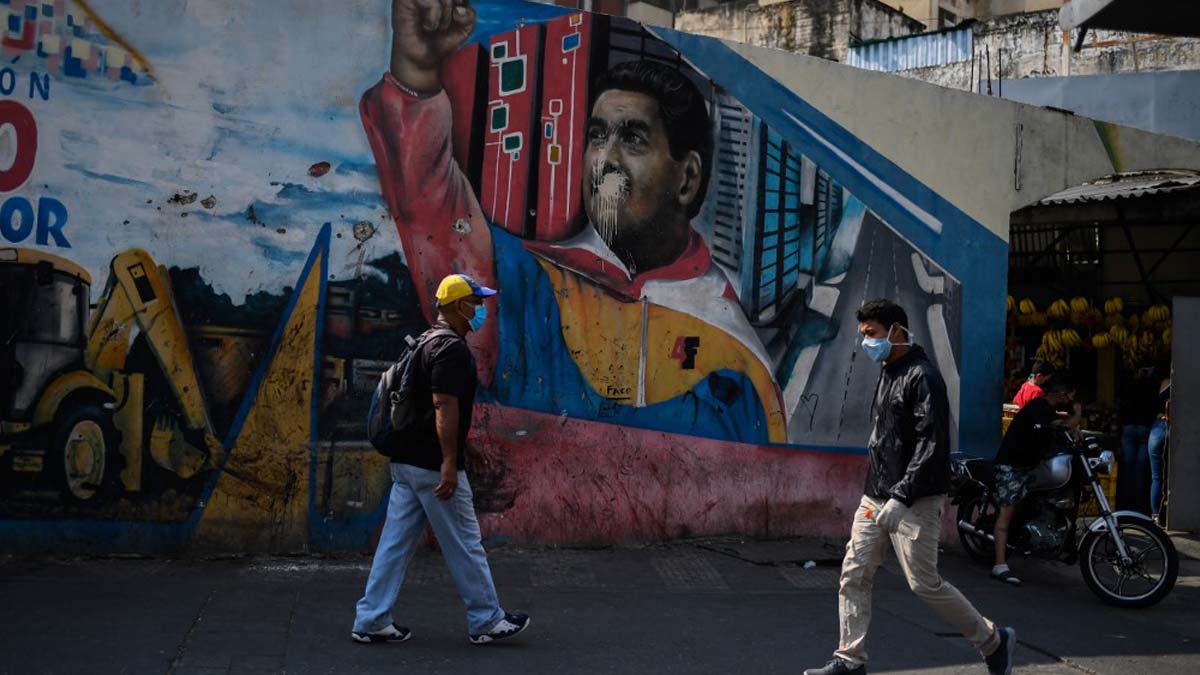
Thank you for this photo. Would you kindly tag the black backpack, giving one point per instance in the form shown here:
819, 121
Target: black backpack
392, 412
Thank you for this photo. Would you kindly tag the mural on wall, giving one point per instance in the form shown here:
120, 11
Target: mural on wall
204, 269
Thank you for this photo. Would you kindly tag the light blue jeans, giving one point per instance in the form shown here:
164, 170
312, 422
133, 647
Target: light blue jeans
1155, 447
411, 506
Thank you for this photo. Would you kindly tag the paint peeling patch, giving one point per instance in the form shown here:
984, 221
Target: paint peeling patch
183, 198
363, 230
208, 202
462, 226
319, 169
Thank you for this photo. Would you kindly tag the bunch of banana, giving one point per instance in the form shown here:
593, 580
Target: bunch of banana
1119, 334
1059, 310
1053, 347
1146, 343
1070, 338
1080, 305
1010, 304
1114, 320
1026, 306
1102, 340
1114, 306
1159, 314
1166, 335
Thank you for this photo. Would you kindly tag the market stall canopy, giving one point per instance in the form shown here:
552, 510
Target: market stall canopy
1126, 186
1165, 17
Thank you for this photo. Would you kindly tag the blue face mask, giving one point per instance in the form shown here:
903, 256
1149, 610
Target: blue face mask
477, 319
877, 348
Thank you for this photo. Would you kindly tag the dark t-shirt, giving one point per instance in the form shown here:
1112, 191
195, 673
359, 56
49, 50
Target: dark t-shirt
1023, 445
445, 366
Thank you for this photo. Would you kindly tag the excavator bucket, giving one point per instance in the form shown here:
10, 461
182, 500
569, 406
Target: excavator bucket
138, 293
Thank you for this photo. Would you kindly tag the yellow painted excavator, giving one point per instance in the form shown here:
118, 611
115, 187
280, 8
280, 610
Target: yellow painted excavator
70, 408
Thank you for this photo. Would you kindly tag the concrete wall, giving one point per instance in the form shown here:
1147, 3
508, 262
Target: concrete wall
821, 28
1121, 98
649, 15
205, 175
1032, 45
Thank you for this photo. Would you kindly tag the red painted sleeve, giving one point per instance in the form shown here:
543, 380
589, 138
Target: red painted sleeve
442, 228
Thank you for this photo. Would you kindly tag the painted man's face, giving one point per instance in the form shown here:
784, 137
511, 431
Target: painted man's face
631, 183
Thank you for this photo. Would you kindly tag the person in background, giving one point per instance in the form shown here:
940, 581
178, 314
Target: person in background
1160, 431
1138, 409
1026, 443
908, 476
1033, 387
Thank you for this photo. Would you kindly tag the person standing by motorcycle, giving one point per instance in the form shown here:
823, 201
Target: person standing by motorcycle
907, 480
1026, 443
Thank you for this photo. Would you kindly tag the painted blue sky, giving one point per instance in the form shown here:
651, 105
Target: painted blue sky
247, 97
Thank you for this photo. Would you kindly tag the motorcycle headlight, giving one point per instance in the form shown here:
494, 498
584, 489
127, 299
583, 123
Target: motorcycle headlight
1104, 462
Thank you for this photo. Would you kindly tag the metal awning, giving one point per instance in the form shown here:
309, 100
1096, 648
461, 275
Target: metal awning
1127, 186
1165, 17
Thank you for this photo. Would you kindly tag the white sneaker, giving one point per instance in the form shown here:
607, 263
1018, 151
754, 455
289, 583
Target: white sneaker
392, 633
510, 626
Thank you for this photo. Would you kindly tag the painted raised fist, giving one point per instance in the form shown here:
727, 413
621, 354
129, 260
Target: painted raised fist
424, 33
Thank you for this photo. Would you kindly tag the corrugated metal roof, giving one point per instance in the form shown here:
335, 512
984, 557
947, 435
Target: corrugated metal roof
1126, 186
914, 51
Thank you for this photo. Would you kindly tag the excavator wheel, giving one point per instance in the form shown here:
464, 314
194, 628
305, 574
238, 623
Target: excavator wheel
82, 459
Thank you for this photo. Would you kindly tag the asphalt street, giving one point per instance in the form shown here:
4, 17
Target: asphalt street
714, 606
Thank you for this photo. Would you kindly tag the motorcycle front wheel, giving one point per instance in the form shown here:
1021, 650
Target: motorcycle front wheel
1147, 579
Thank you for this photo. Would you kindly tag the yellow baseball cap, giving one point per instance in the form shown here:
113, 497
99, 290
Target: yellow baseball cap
458, 286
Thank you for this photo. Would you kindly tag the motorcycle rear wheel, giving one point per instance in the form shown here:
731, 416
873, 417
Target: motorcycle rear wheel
1146, 581
980, 549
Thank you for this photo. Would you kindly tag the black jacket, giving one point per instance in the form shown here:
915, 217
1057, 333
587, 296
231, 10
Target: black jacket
910, 442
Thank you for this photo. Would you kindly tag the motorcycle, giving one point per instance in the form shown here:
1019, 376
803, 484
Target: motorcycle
1125, 558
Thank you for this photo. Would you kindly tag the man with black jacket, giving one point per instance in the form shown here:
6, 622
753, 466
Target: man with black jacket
907, 481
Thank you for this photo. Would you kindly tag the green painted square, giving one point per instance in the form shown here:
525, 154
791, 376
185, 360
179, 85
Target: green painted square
512, 142
499, 118
499, 51
512, 76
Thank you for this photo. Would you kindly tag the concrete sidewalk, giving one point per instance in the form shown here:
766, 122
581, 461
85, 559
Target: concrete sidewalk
713, 606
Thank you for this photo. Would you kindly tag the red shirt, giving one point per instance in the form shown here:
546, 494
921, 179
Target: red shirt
1028, 391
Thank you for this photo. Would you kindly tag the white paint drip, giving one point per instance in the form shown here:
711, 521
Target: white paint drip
609, 190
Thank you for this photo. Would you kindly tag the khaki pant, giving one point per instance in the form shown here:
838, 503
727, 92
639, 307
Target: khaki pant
916, 544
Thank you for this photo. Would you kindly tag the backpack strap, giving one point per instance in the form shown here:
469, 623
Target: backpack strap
435, 332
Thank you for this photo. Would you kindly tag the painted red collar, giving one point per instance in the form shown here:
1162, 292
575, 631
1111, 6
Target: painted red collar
586, 254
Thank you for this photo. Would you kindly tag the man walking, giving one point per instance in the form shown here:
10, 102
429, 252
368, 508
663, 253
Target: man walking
905, 492
429, 485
